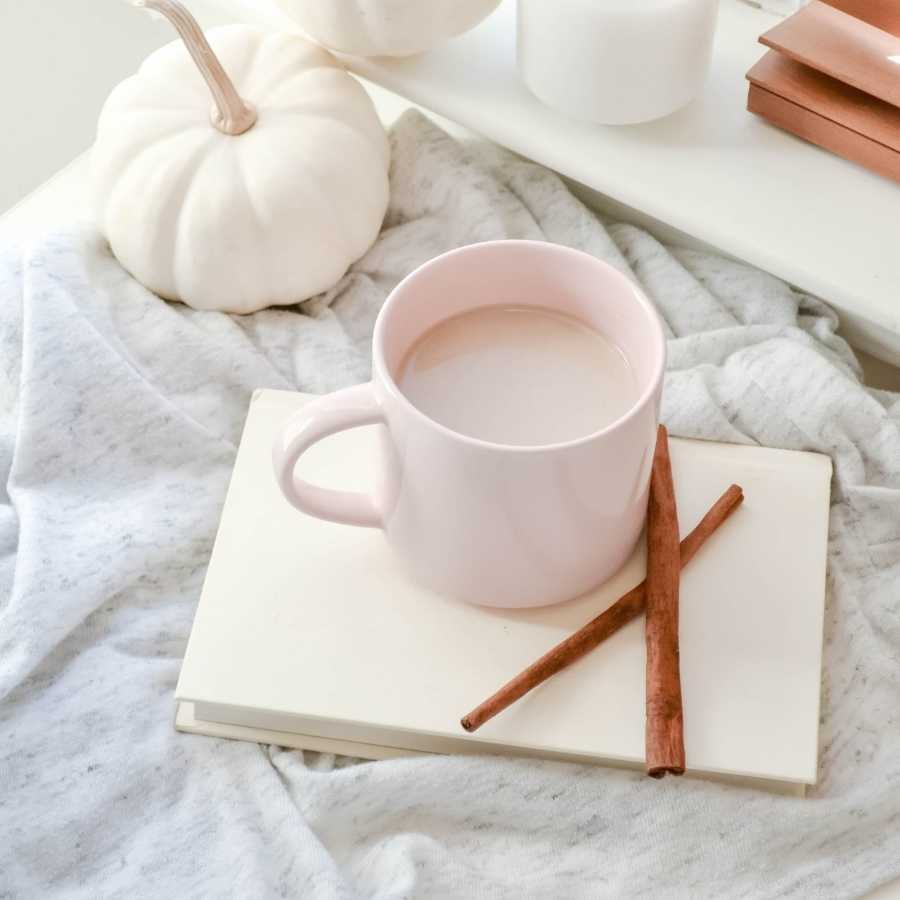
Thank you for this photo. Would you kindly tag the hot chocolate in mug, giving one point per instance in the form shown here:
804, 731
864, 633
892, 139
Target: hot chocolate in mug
488, 521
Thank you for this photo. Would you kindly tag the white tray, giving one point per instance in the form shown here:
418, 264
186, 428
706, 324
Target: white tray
712, 172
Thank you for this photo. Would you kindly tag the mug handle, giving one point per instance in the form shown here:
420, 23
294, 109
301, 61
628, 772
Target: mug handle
349, 408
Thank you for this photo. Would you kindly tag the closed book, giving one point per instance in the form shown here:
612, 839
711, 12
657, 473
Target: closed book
311, 634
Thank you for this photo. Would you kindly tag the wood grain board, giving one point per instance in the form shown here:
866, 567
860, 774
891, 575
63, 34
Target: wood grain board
833, 103
846, 48
884, 14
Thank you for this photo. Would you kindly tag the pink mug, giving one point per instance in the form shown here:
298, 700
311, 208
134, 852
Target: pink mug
488, 523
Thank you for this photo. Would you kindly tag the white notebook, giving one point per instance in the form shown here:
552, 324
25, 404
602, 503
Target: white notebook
310, 634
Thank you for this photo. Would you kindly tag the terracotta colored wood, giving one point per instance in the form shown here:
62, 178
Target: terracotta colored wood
591, 635
834, 116
665, 716
836, 102
846, 48
231, 114
884, 14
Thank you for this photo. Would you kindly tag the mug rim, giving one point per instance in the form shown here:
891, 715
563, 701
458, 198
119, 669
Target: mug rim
658, 339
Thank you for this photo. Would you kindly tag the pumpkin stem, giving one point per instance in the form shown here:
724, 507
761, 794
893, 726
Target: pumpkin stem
231, 114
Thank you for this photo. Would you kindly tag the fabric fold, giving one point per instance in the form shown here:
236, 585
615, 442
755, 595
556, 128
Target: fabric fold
119, 419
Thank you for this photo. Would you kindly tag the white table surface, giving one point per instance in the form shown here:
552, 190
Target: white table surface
64, 196
712, 171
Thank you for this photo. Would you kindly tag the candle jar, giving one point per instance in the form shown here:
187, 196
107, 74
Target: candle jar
615, 62
386, 27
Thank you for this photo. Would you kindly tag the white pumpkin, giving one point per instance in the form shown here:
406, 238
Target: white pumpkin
386, 27
263, 197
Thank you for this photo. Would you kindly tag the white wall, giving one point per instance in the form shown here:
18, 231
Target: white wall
58, 61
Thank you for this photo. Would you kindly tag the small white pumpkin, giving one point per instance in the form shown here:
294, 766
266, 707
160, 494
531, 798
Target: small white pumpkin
263, 199
386, 27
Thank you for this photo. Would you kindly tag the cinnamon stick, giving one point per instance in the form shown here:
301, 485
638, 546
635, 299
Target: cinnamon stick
665, 716
591, 635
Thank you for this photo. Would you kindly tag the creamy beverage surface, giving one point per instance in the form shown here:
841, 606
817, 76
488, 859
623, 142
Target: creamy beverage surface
518, 375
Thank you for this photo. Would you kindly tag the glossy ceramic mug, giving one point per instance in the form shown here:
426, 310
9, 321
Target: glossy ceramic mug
495, 524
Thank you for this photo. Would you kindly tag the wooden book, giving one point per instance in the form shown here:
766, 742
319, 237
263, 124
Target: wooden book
819, 109
846, 48
884, 14
833, 78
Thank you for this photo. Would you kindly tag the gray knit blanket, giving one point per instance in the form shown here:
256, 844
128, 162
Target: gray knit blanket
119, 419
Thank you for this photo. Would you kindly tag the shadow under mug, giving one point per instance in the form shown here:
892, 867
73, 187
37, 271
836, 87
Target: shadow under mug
494, 524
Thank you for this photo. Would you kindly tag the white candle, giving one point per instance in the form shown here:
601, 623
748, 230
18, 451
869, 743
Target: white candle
616, 62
